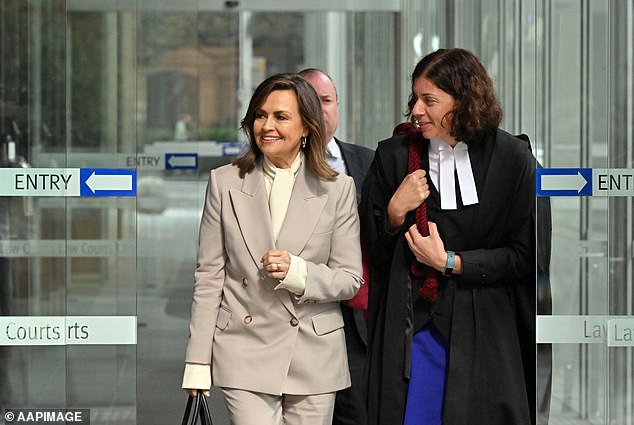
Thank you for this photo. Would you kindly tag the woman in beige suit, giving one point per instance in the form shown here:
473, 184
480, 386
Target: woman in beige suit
278, 249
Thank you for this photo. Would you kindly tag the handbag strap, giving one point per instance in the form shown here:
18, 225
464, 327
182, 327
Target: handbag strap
205, 415
194, 416
188, 410
200, 408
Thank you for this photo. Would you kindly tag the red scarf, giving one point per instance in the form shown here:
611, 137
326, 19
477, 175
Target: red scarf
429, 288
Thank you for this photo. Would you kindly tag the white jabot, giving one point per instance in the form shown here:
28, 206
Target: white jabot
283, 180
335, 158
444, 162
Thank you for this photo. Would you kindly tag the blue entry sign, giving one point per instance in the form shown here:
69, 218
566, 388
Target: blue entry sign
107, 182
612, 182
67, 182
181, 161
564, 182
232, 149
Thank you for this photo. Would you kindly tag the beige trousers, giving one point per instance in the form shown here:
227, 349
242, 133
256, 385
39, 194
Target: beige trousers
251, 408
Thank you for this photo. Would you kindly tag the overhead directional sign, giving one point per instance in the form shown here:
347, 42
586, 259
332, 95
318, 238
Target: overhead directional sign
167, 161
585, 182
564, 181
232, 149
67, 182
181, 161
107, 182
155, 162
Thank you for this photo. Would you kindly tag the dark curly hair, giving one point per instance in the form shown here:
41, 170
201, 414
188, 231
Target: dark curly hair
312, 117
460, 73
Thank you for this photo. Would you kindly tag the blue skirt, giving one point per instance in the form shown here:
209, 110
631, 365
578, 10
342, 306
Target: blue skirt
427, 380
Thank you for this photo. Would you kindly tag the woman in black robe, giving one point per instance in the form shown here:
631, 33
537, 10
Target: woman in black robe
452, 305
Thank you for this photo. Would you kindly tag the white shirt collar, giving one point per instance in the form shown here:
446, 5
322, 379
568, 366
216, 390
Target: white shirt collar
335, 159
445, 162
333, 148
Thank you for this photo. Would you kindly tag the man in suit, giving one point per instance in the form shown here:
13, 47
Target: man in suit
354, 161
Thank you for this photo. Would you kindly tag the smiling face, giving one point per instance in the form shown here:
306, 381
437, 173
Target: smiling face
432, 110
278, 128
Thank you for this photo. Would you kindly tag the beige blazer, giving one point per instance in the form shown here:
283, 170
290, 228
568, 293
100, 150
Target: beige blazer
254, 337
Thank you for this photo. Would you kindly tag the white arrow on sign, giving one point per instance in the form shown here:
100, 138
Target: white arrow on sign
182, 161
109, 182
563, 182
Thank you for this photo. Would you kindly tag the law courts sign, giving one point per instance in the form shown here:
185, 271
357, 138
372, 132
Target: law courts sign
68, 330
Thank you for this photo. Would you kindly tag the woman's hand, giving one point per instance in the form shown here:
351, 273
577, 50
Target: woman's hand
412, 191
192, 392
429, 250
276, 263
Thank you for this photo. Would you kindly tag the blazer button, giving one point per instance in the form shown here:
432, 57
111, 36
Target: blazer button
294, 322
245, 282
248, 319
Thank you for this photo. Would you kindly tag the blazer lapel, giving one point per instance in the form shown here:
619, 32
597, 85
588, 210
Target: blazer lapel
480, 155
304, 210
250, 205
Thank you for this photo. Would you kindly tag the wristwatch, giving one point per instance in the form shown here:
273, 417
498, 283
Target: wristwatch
450, 264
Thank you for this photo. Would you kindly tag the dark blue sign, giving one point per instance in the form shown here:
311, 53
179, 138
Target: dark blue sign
181, 161
107, 182
564, 181
232, 149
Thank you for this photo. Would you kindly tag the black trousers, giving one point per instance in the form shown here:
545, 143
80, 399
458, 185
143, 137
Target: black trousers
350, 404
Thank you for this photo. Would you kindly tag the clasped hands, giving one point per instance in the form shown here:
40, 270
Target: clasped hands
413, 190
276, 263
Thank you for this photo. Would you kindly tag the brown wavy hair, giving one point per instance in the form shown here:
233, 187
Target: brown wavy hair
310, 113
460, 73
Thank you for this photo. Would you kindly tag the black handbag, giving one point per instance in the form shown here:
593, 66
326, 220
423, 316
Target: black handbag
200, 410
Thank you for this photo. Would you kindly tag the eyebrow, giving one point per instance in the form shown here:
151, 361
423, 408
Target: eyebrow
275, 112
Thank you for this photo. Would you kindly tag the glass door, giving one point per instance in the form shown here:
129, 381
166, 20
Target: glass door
113, 113
586, 121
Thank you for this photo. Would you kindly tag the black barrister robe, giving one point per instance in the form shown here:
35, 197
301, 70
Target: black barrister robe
490, 333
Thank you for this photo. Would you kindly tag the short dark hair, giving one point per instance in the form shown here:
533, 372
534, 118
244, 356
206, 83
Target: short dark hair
460, 73
310, 113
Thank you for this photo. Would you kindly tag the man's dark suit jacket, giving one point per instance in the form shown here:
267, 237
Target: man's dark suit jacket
350, 403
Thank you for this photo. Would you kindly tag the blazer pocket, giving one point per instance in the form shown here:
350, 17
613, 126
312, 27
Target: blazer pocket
224, 316
327, 322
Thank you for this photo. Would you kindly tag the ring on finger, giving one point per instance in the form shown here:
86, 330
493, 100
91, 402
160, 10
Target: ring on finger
277, 267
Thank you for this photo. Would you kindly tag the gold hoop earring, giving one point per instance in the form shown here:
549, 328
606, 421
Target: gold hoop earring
304, 141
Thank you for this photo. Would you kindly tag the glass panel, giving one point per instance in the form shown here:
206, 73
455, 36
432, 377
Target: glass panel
591, 263
99, 86
205, 64
66, 258
32, 119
